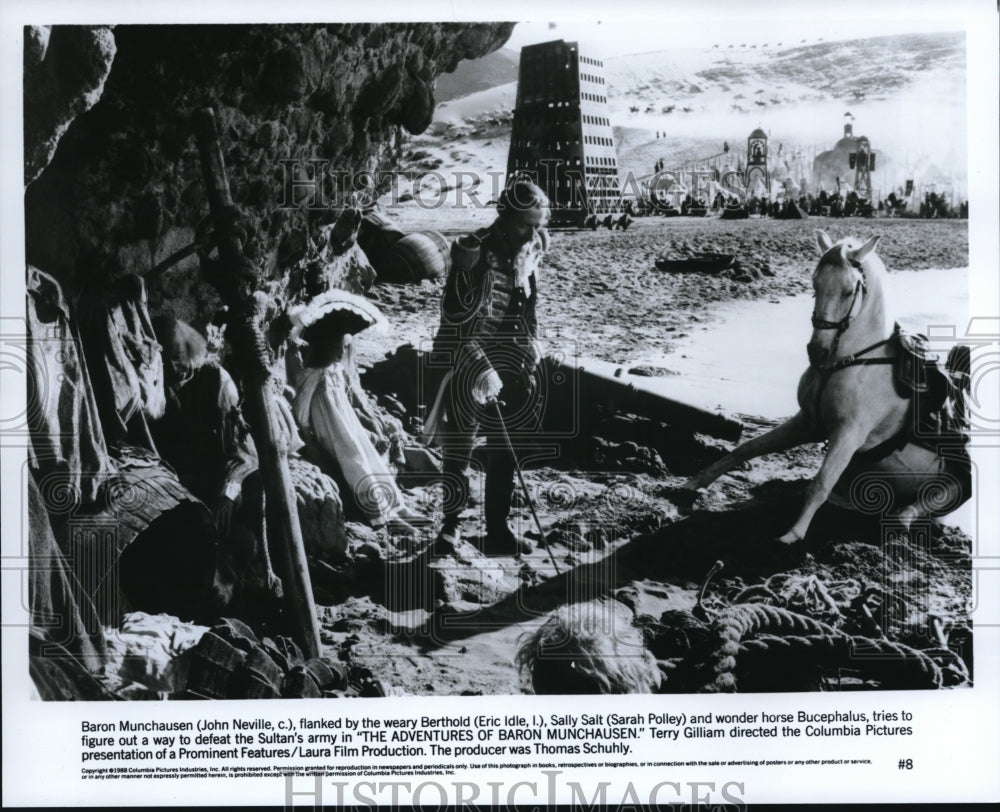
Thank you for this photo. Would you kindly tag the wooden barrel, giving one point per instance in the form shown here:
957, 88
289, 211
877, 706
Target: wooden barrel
420, 255
377, 233
152, 546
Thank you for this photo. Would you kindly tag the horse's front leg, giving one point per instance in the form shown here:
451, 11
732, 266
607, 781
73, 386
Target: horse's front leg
794, 431
843, 445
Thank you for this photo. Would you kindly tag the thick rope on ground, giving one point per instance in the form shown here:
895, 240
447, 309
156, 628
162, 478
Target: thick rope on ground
894, 665
747, 620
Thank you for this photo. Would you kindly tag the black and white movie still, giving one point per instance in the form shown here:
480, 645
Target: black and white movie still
357, 346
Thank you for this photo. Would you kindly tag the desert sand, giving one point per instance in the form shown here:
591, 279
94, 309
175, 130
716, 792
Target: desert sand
450, 625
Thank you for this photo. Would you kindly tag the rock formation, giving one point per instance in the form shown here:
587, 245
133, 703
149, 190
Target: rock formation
114, 179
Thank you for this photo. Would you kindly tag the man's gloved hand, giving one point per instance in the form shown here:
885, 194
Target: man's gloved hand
487, 387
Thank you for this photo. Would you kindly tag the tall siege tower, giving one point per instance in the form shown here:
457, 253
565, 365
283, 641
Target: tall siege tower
561, 134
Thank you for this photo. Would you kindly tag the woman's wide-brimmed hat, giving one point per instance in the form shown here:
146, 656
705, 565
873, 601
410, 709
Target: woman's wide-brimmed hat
352, 313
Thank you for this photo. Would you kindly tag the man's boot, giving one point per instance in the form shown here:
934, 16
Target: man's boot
499, 536
449, 535
456, 497
499, 491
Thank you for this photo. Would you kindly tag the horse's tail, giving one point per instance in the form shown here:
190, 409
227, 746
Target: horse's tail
956, 421
959, 366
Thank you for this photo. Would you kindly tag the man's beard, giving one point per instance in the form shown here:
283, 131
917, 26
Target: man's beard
527, 261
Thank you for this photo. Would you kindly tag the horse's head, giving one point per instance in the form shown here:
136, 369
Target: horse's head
841, 286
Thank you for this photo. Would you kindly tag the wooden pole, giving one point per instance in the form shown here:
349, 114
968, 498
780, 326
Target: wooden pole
235, 283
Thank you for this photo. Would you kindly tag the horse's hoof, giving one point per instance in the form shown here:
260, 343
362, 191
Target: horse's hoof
790, 538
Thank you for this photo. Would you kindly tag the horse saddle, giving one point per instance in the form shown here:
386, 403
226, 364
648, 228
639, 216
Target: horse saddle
917, 370
937, 395
938, 391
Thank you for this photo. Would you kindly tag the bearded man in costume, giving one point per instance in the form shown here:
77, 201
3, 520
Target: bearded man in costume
488, 338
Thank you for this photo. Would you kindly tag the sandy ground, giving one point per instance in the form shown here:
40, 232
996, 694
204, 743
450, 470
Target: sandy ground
450, 625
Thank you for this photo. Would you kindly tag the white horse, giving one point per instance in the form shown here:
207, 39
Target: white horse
847, 398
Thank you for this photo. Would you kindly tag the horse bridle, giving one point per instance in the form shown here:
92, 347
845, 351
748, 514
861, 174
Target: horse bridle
860, 289
854, 359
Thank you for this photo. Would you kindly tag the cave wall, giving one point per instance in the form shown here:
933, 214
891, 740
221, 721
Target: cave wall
114, 182
60, 84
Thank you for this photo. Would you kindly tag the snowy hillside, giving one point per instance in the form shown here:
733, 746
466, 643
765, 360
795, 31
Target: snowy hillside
474, 75
907, 94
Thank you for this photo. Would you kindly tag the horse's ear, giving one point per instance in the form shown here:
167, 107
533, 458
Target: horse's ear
823, 241
859, 254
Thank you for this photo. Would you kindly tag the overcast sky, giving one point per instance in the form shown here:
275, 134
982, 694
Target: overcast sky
637, 24
619, 36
